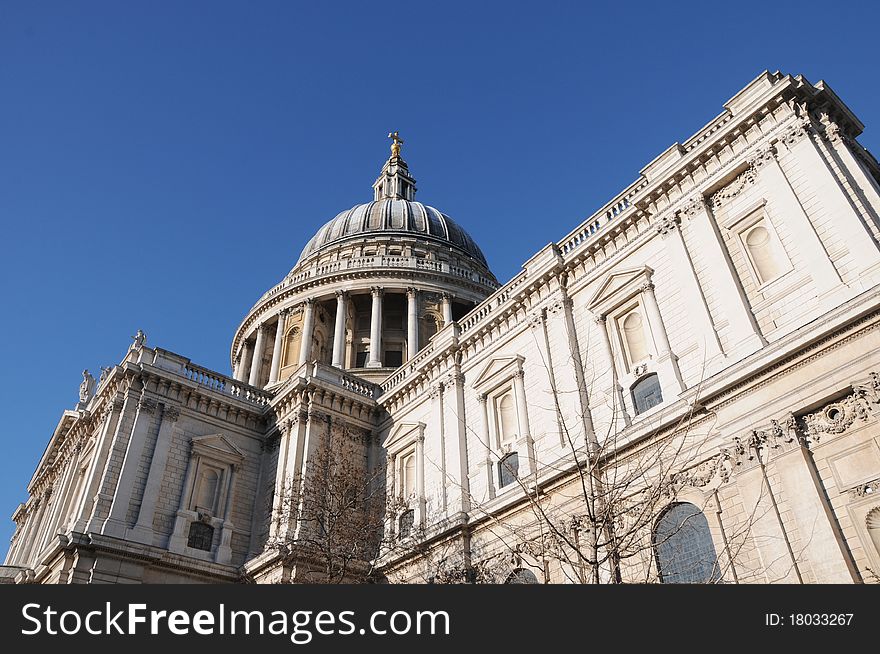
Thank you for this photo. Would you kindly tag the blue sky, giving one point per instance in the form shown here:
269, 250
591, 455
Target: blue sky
162, 164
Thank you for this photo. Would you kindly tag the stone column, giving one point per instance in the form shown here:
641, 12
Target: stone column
257, 361
277, 348
99, 491
143, 530
305, 347
376, 329
744, 335
843, 146
455, 445
339, 331
486, 436
420, 478
689, 286
446, 303
438, 409
620, 411
30, 537
847, 222
826, 279
223, 555
116, 523
412, 322
522, 412
666, 360
60, 495
244, 361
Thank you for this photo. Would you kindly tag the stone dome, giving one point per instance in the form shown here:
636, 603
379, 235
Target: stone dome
394, 216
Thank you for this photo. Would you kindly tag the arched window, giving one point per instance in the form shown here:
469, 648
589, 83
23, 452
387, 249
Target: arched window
521, 576
430, 327
646, 393
507, 418
684, 548
291, 346
209, 480
763, 253
408, 475
634, 335
873, 524
201, 536
508, 469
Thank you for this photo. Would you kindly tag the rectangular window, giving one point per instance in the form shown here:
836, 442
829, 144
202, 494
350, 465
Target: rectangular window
360, 359
393, 358
508, 469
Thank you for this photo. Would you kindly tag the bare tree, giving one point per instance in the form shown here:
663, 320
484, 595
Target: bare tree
338, 508
602, 513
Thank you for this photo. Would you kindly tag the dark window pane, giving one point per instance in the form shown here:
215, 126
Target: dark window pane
522, 576
508, 469
646, 393
360, 359
684, 548
405, 522
201, 536
393, 358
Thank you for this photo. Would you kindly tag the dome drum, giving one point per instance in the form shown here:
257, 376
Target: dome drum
369, 290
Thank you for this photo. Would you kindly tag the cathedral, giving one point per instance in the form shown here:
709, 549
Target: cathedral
683, 389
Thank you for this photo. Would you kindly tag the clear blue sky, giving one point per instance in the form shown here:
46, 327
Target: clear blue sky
162, 164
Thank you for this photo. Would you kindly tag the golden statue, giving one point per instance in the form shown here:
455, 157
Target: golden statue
396, 143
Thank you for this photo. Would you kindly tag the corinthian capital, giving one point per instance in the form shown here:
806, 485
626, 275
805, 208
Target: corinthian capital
694, 206
762, 158
795, 134
666, 224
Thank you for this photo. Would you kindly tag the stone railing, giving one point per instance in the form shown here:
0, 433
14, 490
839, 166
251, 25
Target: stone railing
226, 385
381, 262
349, 382
492, 303
408, 368
593, 225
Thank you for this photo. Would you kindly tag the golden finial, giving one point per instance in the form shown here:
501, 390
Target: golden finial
396, 142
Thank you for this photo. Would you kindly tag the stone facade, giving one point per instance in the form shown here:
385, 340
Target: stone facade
705, 345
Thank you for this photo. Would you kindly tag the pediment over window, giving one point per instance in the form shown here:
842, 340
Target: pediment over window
618, 287
403, 435
497, 371
217, 447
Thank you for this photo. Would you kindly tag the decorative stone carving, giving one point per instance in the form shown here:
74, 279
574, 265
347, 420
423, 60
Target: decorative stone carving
832, 129
146, 405
171, 413
703, 474
536, 319
837, 417
737, 186
666, 224
454, 378
87, 387
558, 304
140, 339
694, 206
795, 134
762, 158
865, 490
